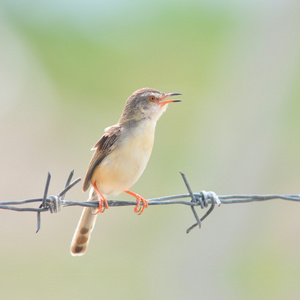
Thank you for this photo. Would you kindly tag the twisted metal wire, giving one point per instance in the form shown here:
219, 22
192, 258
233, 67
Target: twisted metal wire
206, 200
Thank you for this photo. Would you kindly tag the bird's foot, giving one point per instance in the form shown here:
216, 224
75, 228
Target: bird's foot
102, 201
102, 206
138, 209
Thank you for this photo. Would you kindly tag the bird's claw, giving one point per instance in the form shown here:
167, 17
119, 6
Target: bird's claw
138, 209
102, 206
102, 201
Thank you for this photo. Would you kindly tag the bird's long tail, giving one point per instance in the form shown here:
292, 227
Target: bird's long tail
84, 228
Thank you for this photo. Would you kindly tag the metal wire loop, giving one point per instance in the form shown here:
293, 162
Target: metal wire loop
203, 199
54, 204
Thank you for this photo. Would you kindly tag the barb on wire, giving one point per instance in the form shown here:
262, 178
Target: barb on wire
203, 199
193, 199
51, 203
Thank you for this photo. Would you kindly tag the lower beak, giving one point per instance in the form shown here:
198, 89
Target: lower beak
162, 103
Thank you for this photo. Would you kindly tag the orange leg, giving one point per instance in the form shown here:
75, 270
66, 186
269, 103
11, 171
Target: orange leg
102, 201
138, 209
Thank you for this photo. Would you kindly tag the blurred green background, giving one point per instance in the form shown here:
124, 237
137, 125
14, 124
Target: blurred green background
66, 69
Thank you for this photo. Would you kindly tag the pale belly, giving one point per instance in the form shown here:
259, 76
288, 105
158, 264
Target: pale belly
125, 164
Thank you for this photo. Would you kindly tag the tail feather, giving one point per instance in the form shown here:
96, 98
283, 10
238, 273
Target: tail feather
84, 228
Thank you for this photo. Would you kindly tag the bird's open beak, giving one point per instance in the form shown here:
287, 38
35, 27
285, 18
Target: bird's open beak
162, 103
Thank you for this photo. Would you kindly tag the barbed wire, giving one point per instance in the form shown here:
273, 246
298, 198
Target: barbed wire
204, 199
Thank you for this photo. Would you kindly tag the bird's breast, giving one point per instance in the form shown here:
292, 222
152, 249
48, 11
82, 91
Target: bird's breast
126, 163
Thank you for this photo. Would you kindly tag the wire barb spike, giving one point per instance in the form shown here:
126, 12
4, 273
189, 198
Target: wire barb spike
193, 198
53, 203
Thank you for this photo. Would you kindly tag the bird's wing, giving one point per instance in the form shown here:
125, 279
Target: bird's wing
103, 147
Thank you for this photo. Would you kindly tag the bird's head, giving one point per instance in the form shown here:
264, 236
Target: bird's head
146, 103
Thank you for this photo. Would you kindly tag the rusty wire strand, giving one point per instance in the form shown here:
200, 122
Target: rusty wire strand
54, 203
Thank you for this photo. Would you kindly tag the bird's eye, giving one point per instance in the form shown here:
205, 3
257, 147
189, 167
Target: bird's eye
152, 98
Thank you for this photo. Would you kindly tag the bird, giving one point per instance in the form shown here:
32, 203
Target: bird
120, 158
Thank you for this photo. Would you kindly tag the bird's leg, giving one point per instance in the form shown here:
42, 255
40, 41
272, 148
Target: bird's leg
102, 201
138, 209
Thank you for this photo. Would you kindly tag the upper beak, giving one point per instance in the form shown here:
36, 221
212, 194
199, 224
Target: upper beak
162, 103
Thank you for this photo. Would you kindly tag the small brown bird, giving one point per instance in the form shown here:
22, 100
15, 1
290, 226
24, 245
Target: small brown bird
120, 158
